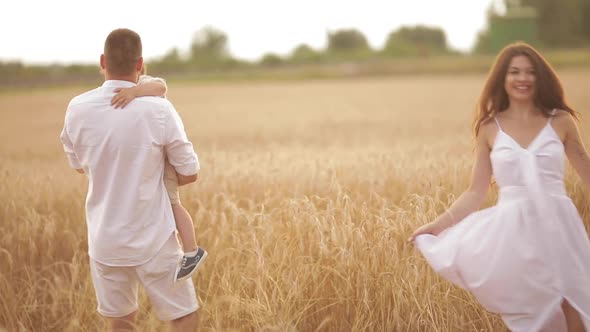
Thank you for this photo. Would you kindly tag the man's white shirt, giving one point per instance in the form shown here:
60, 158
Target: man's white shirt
122, 152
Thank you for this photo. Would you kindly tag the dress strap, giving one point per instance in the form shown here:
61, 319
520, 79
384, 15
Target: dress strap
553, 112
498, 123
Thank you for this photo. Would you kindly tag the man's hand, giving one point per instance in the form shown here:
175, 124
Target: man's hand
124, 96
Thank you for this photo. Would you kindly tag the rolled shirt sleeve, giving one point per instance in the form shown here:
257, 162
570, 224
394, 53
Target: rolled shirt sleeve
69, 148
179, 150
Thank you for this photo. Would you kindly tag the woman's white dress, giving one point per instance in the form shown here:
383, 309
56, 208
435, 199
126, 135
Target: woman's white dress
524, 255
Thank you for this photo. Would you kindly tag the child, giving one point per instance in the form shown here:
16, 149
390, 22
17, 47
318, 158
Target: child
193, 254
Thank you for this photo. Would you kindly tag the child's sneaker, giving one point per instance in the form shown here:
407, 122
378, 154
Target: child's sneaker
190, 263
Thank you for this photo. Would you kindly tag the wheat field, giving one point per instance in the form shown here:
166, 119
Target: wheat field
307, 193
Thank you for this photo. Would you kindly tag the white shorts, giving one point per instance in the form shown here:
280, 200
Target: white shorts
116, 286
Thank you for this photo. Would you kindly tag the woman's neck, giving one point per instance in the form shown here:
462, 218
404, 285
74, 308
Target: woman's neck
523, 110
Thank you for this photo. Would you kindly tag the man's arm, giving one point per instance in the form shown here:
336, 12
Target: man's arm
69, 150
179, 150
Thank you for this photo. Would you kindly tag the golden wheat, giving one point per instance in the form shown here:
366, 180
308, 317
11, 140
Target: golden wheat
307, 194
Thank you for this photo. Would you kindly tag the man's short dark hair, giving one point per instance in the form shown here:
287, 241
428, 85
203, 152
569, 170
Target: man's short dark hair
122, 50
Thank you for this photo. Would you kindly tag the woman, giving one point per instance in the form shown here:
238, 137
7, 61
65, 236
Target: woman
528, 257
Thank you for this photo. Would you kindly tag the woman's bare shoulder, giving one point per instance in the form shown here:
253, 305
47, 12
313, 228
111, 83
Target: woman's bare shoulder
564, 118
563, 123
488, 131
562, 115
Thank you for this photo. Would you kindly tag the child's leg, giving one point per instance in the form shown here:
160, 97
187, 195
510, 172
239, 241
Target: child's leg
183, 220
185, 227
193, 255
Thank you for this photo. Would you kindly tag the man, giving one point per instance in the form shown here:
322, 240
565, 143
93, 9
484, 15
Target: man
131, 227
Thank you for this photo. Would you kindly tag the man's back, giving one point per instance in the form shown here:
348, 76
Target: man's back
122, 151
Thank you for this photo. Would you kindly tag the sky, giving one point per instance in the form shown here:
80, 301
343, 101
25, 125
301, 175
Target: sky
60, 31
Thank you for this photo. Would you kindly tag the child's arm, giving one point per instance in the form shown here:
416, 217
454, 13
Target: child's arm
147, 86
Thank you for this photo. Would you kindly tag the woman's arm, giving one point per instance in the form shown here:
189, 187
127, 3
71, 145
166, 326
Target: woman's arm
574, 147
147, 86
475, 195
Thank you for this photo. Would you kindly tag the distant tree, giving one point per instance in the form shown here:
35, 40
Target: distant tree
209, 44
416, 40
483, 43
173, 56
548, 21
585, 26
170, 61
10, 68
271, 60
304, 53
347, 40
560, 23
422, 35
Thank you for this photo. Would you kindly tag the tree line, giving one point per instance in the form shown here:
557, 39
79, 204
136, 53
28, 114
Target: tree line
209, 49
563, 23
557, 24
209, 53
560, 24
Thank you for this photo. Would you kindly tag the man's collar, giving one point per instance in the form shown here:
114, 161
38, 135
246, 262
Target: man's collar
118, 84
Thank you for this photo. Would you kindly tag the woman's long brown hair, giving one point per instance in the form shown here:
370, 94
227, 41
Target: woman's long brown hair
548, 95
